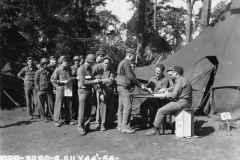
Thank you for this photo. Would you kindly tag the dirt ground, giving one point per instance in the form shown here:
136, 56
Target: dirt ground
20, 136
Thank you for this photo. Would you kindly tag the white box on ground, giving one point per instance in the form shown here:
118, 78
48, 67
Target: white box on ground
184, 123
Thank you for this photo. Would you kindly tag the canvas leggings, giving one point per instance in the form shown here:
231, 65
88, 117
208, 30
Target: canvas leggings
170, 108
124, 107
31, 97
45, 97
60, 101
85, 108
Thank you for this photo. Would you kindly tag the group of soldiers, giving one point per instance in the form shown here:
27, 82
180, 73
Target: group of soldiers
93, 78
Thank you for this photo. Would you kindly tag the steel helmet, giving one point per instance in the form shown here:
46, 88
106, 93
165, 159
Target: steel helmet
76, 58
44, 60
90, 58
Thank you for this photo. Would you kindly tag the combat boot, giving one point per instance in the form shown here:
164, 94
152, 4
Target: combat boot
154, 131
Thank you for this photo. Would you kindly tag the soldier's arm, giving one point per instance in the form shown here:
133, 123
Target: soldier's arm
83, 79
36, 79
176, 91
55, 78
131, 75
21, 74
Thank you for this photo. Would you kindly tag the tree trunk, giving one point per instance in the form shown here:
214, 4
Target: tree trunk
49, 27
155, 15
141, 24
189, 22
206, 10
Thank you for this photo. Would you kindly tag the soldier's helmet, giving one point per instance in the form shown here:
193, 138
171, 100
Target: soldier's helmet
90, 58
44, 60
76, 58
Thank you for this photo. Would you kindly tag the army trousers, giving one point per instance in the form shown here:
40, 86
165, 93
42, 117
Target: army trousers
106, 107
85, 108
124, 107
170, 108
31, 97
45, 97
59, 102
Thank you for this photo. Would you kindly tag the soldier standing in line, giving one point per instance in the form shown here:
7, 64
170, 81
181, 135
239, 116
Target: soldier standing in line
74, 106
125, 81
85, 84
105, 93
100, 54
60, 78
27, 75
44, 89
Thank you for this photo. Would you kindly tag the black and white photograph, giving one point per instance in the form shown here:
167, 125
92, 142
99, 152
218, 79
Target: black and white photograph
120, 80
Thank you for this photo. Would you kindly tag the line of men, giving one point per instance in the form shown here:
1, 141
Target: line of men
95, 78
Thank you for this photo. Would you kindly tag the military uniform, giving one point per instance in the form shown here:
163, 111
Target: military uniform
181, 96
106, 105
29, 88
155, 83
125, 81
61, 74
45, 91
74, 105
85, 84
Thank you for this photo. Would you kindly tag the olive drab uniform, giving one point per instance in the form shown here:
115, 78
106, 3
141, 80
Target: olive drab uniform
61, 74
148, 108
44, 91
85, 84
125, 81
74, 106
28, 74
106, 105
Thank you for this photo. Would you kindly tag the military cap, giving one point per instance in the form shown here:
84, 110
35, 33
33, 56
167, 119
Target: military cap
131, 51
29, 58
170, 69
100, 52
107, 57
161, 66
60, 59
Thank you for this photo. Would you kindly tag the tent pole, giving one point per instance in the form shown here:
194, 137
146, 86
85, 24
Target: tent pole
12, 99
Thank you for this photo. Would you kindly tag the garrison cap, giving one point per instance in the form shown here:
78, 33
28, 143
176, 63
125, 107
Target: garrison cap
29, 58
60, 59
170, 69
161, 66
131, 51
100, 52
107, 57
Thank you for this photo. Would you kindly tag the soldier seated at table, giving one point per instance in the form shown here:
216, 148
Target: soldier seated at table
181, 98
149, 108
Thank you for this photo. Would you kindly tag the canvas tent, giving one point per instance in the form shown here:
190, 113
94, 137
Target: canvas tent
212, 64
14, 51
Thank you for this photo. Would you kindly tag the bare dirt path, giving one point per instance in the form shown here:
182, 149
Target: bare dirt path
19, 136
